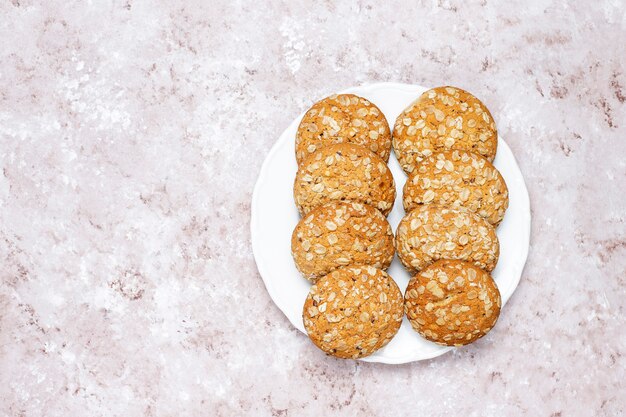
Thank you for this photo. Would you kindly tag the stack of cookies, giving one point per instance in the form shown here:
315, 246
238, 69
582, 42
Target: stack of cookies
343, 243
454, 198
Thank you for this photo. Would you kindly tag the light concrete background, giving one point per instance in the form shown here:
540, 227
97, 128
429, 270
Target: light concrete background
132, 133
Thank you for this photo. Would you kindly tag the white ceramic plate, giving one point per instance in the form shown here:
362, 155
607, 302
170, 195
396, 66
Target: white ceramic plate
274, 216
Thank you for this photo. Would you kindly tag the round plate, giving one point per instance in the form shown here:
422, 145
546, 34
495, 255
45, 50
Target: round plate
274, 216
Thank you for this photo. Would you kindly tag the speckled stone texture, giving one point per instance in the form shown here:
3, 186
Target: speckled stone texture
132, 133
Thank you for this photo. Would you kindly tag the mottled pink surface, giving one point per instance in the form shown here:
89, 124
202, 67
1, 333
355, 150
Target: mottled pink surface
132, 133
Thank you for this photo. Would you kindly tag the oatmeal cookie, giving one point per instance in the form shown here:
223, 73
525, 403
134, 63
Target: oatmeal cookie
343, 118
458, 178
341, 233
452, 302
344, 172
353, 311
431, 232
443, 118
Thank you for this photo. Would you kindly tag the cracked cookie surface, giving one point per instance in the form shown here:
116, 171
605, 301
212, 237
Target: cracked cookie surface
353, 311
431, 232
344, 172
339, 234
343, 118
452, 303
443, 118
458, 178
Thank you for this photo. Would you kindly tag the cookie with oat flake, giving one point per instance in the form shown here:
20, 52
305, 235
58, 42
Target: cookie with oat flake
343, 118
339, 234
441, 119
452, 303
432, 232
344, 172
353, 311
458, 178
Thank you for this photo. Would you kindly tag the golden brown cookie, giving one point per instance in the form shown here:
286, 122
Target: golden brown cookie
458, 178
344, 172
431, 232
343, 118
452, 303
443, 118
353, 311
341, 233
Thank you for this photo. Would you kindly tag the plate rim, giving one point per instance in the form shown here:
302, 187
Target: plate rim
254, 220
